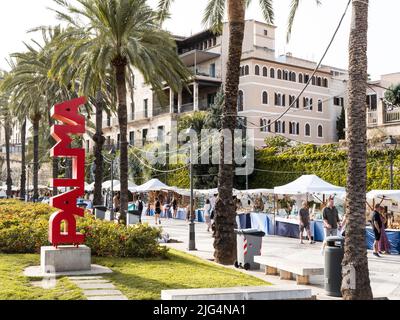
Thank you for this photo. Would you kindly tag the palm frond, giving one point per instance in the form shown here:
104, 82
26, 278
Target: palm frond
214, 15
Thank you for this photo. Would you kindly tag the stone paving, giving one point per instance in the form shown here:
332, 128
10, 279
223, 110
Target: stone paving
384, 271
98, 288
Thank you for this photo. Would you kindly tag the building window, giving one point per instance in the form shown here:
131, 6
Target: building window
214, 41
283, 100
283, 127
265, 32
146, 108
372, 102
278, 99
272, 73
240, 101
263, 125
320, 131
319, 82
108, 121
132, 138
307, 130
144, 136
265, 97
246, 70
265, 72
300, 78
280, 127
257, 70
279, 74
269, 126
161, 134
285, 75
320, 106
306, 78
293, 76
338, 101
313, 81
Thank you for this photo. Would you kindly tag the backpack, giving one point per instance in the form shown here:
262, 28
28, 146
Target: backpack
140, 206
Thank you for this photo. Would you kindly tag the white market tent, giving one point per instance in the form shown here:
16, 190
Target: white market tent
254, 192
153, 185
309, 184
107, 184
384, 194
131, 187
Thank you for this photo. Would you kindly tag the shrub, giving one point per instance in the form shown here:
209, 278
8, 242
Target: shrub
24, 229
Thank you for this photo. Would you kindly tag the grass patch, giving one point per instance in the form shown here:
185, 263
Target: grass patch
143, 279
15, 286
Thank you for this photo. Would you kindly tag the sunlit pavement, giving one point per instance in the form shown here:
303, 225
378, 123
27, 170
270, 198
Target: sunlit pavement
384, 271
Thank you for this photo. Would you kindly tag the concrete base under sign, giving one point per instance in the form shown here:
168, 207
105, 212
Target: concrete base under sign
65, 259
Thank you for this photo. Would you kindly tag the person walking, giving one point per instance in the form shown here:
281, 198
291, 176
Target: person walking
117, 202
157, 212
174, 208
304, 222
140, 207
331, 221
376, 223
384, 245
207, 214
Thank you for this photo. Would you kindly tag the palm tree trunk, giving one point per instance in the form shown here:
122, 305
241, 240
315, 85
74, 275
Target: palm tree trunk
99, 143
225, 217
356, 283
8, 137
36, 158
23, 161
120, 76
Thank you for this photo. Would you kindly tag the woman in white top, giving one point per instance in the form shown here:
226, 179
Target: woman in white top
207, 214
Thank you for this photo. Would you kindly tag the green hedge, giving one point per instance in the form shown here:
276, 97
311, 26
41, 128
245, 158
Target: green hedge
24, 229
328, 162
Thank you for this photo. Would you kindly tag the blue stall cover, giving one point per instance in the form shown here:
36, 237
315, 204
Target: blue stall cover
393, 237
262, 221
285, 229
319, 234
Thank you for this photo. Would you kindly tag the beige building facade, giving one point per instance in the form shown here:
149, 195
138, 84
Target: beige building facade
268, 85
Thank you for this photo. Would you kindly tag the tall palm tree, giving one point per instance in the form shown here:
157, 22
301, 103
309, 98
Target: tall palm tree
356, 282
225, 239
123, 34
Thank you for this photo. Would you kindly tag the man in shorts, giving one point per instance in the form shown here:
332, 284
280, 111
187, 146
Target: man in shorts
376, 227
331, 221
304, 222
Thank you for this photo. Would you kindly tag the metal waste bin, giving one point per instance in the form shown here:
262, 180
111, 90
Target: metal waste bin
334, 253
100, 212
133, 217
249, 243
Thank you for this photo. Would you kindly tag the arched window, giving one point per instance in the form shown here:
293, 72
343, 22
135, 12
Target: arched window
325, 82
269, 126
297, 128
320, 106
241, 71
278, 127
293, 77
283, 100
278, 99
300, 78
240, 101
319, 82
246, 70
307, 103
279, 74
307, 130
320, 131
272, 73
263, 125
290, 127
306, 78
285, 75
265, 72
265, 97
283, 127
257, 70
313, 81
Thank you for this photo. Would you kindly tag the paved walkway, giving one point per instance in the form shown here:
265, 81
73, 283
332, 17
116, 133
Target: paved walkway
384, 271
97, 288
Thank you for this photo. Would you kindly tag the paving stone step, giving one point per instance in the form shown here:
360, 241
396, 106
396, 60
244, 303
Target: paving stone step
93, 293
91, 281
95, 285
108, 298
85, 278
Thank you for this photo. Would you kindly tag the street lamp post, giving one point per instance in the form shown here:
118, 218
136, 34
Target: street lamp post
27, 189
247, 174
391, 143
192, 230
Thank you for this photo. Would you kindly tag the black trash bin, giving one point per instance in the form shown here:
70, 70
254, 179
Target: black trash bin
100, 212
334, 253
249, 243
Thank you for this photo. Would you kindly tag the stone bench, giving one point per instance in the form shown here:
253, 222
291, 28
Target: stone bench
239, 293
288, 269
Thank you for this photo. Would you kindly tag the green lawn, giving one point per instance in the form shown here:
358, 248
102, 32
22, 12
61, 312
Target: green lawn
15, 286
138, 279
142, 279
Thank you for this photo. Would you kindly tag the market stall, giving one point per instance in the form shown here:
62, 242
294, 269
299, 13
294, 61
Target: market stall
304, 188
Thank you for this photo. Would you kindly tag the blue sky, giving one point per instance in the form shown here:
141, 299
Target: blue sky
312, 30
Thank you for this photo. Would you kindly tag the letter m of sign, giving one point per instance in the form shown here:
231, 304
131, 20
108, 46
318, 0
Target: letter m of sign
73, 123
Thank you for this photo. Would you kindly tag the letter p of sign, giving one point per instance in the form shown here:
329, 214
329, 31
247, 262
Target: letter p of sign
73, 124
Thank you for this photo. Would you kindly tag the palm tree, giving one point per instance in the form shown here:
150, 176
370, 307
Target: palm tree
356, 282
123, 34
225, 239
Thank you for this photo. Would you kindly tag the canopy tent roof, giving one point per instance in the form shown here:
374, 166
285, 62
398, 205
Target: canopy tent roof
254, 191
152, 185
384, 194
309, 184
107, 184
131, 187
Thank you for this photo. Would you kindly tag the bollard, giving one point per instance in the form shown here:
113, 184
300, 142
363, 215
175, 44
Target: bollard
192, 237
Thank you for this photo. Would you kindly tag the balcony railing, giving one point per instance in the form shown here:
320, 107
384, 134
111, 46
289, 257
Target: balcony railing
157, 111
372, 117
206, 72
392, 116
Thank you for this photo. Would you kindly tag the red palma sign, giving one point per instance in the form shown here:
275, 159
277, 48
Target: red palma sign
73, 124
